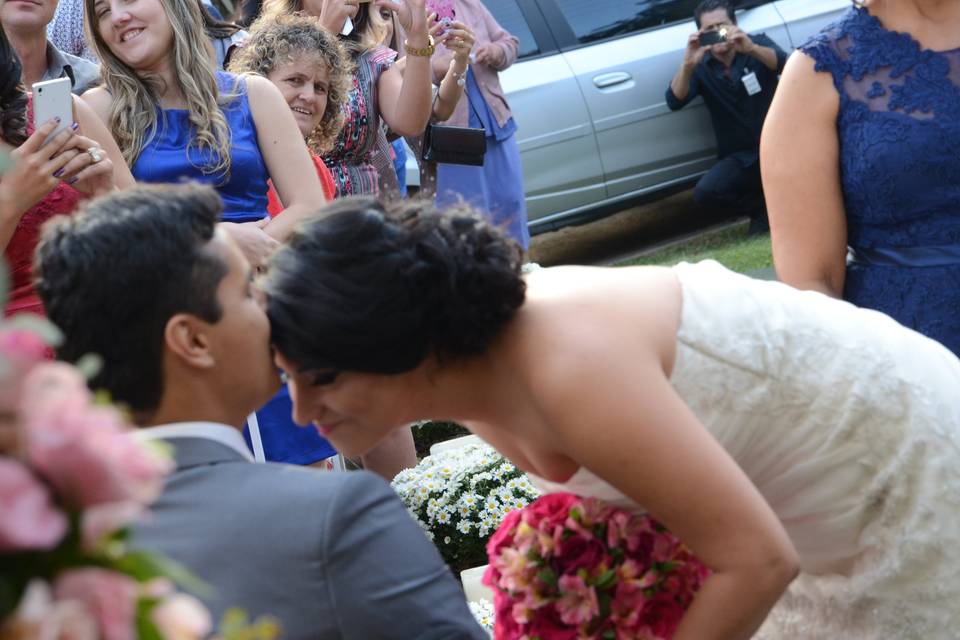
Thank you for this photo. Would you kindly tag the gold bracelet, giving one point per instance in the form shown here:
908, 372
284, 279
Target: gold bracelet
425, 52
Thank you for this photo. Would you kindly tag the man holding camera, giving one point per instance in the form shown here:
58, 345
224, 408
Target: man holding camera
737, 75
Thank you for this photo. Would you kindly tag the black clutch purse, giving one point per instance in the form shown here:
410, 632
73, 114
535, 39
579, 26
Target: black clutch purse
454, 145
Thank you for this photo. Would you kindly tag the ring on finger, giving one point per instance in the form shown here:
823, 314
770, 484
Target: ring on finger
96, 155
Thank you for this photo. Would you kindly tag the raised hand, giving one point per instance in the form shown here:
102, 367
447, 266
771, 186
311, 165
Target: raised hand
739, 39
458, 38
693, 54
412, 16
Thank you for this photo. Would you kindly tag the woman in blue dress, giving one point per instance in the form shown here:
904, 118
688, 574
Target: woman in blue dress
176, 117
861, 164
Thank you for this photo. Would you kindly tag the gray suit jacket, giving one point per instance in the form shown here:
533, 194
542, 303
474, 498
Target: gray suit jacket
331, 555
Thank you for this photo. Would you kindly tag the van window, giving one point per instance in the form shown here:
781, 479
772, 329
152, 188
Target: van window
592, 20
508, 15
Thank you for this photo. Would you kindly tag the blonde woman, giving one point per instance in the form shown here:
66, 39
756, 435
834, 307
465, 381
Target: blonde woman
313, 72
177, 118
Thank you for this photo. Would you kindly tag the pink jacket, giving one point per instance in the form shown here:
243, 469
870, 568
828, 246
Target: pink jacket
476, 16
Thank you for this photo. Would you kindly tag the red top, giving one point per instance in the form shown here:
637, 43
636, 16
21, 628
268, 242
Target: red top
19, 252
275, 207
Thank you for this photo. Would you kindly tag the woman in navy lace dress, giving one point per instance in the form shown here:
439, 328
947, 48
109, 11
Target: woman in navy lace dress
861, 164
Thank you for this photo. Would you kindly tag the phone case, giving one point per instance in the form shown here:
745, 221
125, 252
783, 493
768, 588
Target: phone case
52, 99
443, 8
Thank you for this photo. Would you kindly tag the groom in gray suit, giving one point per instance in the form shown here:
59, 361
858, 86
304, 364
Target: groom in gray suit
146, 279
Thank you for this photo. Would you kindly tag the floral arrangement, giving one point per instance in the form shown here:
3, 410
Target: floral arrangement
566, 568
460, 497
72, 480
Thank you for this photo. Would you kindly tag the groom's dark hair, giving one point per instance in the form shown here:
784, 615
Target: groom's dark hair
113, 274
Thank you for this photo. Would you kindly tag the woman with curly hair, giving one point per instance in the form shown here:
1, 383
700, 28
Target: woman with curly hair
314, 74
45, 179
176, 117
379, 91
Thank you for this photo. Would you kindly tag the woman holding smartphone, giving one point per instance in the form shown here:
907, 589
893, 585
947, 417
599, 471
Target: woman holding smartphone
175, 117
51, 179
496, 188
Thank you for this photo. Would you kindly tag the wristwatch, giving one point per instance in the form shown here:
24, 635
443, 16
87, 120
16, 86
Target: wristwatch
425, 52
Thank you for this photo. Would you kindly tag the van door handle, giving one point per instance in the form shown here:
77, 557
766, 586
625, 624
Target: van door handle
606, 80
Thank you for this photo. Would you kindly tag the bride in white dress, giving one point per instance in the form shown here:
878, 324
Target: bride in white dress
806, 450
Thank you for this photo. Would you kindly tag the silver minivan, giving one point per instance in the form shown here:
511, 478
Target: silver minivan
588, 96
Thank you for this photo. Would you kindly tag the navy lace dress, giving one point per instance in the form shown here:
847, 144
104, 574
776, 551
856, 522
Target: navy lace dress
899, 131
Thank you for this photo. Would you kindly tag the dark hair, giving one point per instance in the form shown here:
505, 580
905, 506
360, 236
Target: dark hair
13, 98
361, 22
214, 27
712, 5
112, 275
377, 291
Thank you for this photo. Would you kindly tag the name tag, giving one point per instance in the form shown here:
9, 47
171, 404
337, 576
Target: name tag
751, 84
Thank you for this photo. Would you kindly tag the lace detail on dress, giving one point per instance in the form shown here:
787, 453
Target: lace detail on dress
899, 133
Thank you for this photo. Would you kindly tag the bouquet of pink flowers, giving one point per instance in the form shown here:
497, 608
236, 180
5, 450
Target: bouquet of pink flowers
72, 480
565, 568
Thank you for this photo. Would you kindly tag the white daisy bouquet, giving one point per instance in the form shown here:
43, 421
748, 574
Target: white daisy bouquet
460, 496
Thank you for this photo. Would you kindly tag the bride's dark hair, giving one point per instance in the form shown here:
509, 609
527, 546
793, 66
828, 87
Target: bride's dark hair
13, 98
362, 288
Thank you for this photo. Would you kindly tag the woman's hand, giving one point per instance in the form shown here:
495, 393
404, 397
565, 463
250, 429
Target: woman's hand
37, 167
334, 14
90, 171
252, 240
490, 54
412, 16
459, 39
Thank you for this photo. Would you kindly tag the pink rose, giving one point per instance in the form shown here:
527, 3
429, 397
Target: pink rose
578, 552
662, 615
86, 452
20, 350
29, 519
182, 617
551, 508
38, 616
547, 626
110, 596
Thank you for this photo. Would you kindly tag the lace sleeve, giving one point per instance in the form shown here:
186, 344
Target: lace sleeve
826, 50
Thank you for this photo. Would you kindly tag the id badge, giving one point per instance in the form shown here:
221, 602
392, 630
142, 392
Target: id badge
751, 84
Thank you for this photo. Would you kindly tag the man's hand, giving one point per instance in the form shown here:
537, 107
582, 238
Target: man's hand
739, 40
693, 54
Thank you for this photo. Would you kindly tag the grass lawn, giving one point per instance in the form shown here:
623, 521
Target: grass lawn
731, 247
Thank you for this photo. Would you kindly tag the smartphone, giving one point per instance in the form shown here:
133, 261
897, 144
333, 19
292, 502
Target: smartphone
708, 38
52, 99
444, 10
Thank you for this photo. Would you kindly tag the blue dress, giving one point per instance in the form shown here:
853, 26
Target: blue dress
899, 132
166, 159
496, 188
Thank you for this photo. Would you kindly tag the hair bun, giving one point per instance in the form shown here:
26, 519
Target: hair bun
466, 277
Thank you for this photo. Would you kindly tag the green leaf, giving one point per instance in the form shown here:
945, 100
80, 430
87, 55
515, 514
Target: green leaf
145, 566
38, 325
146, 630
548, 576
607, 579
89, 365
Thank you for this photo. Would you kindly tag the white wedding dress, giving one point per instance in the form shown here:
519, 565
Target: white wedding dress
849, 425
